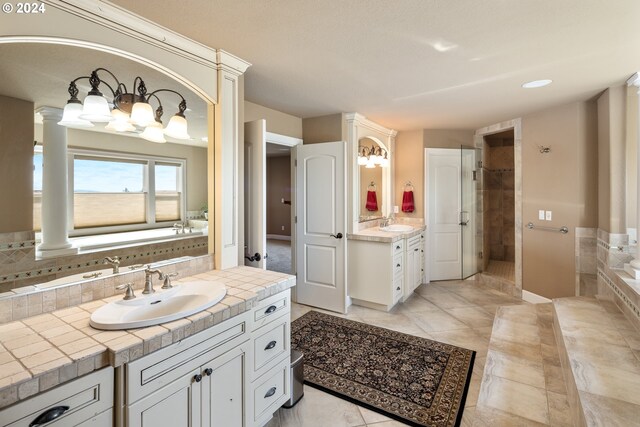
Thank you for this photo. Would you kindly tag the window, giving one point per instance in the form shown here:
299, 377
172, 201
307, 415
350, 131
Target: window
111, 192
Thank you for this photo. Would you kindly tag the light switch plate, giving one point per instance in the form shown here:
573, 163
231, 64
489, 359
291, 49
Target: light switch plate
541, 215
548, 215
395, 209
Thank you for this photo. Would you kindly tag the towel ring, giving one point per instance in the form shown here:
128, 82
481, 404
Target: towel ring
372, 186
408, 186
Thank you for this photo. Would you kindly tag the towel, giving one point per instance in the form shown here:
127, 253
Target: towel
372, 201
407, 202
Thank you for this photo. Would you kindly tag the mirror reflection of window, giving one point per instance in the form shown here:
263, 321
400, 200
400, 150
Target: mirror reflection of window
37, 188
168, 191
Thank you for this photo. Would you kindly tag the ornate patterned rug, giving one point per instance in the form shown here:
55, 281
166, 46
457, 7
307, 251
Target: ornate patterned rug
414, 380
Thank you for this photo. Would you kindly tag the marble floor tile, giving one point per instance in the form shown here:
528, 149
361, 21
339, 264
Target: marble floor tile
436, 321
516, 332
447, 300
517, 369
472, 316
417, 303
466, 338
468, 416
559, 410
601, 411
318, 409
491, 417
554, 379
514, 398
372, 417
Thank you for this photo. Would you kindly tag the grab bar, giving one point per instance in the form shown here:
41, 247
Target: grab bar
563, 229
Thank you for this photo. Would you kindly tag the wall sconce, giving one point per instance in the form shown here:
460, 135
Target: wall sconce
131, 111
371, 157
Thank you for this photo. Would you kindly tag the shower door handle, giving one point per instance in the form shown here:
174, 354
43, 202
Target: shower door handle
462, 221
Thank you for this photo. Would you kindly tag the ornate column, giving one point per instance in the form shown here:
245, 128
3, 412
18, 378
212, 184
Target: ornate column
55, 232
633, 268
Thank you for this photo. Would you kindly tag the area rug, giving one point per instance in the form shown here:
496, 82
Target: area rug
414, 380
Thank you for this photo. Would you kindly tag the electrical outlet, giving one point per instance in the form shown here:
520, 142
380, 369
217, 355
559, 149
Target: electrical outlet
282, 200
283, 228
548, 215
541, 215
395, 209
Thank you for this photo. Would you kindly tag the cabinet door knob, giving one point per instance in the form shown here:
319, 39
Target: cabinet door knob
197, 378
270, 392
398, 247
208, 372
397, 265
398, 288
271, 345
49, 415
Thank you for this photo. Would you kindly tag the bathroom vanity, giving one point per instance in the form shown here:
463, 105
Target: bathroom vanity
228, 365
385, 267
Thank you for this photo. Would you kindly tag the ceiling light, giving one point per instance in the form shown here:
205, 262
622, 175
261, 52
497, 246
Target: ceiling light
129, 108
536, 83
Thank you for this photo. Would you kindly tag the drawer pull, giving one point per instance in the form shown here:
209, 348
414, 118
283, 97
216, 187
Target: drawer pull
270, 392
398, 247
270, 309
397, 265
197, 378
49, 415
271, 345
208, 372
398, 288
416, 250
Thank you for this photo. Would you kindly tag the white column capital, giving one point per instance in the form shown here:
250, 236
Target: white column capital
634, 80
50, 113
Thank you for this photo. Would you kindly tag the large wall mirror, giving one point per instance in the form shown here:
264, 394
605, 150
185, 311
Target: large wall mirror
124, 191
373, 167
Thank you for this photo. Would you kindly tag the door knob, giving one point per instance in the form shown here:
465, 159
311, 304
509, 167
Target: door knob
337, 236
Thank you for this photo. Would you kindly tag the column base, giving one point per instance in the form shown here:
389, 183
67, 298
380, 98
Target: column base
635, 274
52, 253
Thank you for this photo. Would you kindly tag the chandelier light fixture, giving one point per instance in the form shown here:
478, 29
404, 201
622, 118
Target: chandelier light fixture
131, 111
372, 157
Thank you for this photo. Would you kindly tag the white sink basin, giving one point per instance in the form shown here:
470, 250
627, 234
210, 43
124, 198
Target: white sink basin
182, 300
397, 228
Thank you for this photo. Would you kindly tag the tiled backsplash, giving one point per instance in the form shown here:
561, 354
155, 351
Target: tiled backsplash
19, 267
34, 302
586, 261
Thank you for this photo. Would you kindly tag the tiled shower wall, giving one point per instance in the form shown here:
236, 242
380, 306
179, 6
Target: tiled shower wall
19, 267
499, 223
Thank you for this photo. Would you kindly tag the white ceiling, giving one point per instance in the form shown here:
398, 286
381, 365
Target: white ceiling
41, 73
411, 64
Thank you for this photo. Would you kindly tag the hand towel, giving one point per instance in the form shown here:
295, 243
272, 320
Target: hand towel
372, 201
407, 202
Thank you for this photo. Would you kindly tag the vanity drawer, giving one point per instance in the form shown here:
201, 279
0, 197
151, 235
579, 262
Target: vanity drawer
398, 265
269, 392
270, 309
415, 240
397, 289
271, 343
398, 247
85, 397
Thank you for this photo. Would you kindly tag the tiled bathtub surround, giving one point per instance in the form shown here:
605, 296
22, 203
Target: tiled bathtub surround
586, 261
31, 302
41, 352
19, 267
599, 351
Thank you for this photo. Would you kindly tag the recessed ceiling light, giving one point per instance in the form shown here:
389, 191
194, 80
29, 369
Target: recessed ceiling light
536, 83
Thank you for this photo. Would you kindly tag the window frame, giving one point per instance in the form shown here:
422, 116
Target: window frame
149, 162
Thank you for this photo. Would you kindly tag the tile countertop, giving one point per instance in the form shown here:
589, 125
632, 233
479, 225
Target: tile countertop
374, 234
43, 351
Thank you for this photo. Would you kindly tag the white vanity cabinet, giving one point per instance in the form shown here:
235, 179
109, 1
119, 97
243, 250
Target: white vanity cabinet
235, 374
86, 401
414, 270
376, 272
199, 381
270, 371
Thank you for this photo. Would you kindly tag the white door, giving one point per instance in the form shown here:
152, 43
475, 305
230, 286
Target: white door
321, 226
443, 213
255, 208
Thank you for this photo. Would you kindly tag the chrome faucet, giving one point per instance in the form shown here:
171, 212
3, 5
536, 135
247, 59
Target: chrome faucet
181, 227
114, 262
148, 279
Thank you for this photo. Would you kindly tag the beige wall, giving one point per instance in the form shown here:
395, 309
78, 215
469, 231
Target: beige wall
611, 159
196, 156
558, 181
631, 137
277, 122
16, 164
367, 176
279, 187
322, 129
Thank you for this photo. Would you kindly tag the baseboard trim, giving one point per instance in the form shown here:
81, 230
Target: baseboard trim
534, 298
278, 237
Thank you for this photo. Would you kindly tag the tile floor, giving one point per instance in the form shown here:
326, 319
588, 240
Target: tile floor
457, 312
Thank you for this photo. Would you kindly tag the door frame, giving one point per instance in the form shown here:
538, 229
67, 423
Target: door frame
478, 140
291, 142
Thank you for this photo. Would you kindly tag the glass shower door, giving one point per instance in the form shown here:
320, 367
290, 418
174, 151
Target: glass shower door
468, 210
